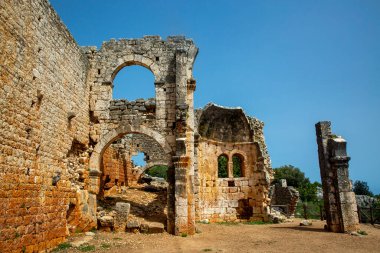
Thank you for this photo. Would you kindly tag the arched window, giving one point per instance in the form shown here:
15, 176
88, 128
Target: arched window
133, 82
222, 166
237, 165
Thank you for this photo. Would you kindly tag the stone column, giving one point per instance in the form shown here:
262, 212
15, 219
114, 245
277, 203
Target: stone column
339, 200
183, 159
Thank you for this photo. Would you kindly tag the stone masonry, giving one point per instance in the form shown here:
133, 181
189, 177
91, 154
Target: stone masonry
58, 119
339, 199
229, 132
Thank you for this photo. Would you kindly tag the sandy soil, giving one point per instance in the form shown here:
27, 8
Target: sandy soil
287, 237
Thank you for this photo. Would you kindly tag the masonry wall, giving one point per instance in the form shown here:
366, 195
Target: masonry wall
44, 118
225, 199
114, 168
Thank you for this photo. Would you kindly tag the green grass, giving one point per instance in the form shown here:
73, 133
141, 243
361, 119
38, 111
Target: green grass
362, 232
62, 246
257, 223
205, 250
184, 234
105, 245
86, 248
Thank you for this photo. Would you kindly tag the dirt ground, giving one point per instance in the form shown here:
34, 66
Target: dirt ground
287, 237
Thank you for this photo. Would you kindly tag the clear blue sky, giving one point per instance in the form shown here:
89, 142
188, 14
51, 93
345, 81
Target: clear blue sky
288, 63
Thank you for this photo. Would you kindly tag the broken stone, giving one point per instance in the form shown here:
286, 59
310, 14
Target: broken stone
306, 223
156, 227
106, 221
133, 224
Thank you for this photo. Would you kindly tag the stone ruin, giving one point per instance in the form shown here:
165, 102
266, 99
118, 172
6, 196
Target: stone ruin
64, 140
284, 198
339, 199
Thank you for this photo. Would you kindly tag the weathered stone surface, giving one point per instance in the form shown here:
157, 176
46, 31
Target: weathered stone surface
365, 201
156, 227
106, 221
284, 195
59, 147
306, 223
121, 217
229, 132
339, 199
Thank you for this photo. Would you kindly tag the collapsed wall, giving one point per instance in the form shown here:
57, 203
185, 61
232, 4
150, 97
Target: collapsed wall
44, 128
241, 192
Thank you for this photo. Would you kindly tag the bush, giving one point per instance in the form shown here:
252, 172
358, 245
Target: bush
158, 171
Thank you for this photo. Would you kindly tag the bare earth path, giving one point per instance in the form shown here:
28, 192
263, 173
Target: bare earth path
288, 237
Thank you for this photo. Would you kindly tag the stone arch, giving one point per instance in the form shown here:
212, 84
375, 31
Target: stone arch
130, 60
111, 136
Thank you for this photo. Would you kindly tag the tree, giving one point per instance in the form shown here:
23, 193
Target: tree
296, 178
158, 171
361, 188
309, 191
293, 175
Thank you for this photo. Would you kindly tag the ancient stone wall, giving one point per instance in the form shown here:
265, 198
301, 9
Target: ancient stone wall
44, 120
168, 119
339, 199
114, 168
284, 195
227, 131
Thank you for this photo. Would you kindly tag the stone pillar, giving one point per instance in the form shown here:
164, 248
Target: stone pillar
183, 159
339, 200
181, 197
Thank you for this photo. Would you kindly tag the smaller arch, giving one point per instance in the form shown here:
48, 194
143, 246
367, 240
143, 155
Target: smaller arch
238, 165
114, 134
223, 166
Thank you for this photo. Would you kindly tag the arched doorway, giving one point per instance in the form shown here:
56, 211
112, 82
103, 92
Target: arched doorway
118, 178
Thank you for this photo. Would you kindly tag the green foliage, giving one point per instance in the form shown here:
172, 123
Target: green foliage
362, 232
86, 248
362, 188
237, 166
257, 223
62, 246
222, 166
184, 235
205, 250
293, 175
309, 191
105, 245
296, 178
158, 171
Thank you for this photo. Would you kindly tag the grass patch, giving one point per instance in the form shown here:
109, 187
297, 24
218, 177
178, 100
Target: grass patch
117, 238
205, 250
362, 232
86, 248
228, 223
62, 246
184, 235
257, 223
105, 245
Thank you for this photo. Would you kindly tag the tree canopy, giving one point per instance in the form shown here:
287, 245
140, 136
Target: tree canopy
361, 188
293, 175
296, 178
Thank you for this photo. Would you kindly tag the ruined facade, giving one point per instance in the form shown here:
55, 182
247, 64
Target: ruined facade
339, 199
229, 132
58, 118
